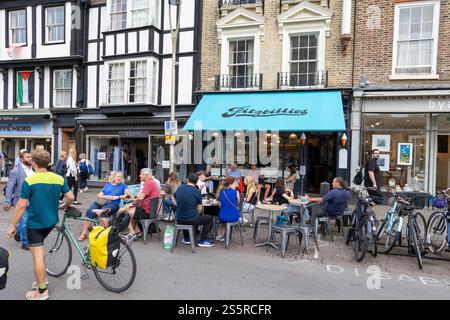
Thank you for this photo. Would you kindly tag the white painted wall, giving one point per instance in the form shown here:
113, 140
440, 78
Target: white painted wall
143, 40
47, 75
109, 45
93, 23
101, 84
156, 42
167, 43
185, 80
132, 42
187, 41
1, 92
10, 88
19, 53
104, 21
37, 84
91, 87
166, 81
187, 14
74, 87
92, 52
121, 43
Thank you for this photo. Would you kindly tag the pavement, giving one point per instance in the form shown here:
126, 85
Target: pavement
244, 272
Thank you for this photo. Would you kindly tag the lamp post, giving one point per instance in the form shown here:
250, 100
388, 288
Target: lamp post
174, 33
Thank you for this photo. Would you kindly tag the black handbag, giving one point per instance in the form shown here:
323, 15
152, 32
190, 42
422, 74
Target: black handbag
104, 202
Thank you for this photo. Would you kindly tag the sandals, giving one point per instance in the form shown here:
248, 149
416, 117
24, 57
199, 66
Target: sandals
35, 295
34, 285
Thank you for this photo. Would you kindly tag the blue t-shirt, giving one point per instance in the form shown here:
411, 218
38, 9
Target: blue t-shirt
42, 190
187, 197
110, 190
235, 174
229, 206
335, 201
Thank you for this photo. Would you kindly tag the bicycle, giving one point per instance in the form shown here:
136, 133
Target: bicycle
363, 227
59, 256
437, 233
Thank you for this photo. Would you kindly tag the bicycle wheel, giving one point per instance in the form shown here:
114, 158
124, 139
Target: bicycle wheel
392, 237
120, 276
415, 244
374, 245
436, 234
421, 224
360, 245
58, 252
381, 234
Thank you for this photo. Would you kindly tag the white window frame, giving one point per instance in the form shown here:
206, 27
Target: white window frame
436, 20
48, 27
135, 77
63, 89
10, 29
305, 29
151, 82
154, 9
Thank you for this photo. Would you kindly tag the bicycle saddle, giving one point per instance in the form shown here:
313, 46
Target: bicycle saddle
73, 212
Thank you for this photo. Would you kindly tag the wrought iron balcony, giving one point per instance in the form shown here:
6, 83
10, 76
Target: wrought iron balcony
244, 81
288, 80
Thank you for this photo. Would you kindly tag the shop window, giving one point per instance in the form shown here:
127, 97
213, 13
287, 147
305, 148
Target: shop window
401, 139
416, 38
17, 26
54, 24
137, 81
133, 13
105, 156
62, 88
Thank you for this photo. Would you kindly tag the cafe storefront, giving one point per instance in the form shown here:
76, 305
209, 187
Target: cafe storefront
305, 129
28, 131
412, 131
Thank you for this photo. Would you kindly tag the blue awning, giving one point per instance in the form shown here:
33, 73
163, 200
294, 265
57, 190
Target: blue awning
282, 111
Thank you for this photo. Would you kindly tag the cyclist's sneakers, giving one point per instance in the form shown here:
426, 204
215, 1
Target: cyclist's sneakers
186, 241
35, 295
205, 243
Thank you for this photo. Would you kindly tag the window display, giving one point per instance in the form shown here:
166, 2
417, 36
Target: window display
402, 141
104, 155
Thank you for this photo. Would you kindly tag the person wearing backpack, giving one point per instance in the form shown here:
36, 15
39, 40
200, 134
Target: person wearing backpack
85, 170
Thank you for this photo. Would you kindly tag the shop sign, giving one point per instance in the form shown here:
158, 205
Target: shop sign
247, 111
25, 129
170, 139
171, 128
101, 156
134, 134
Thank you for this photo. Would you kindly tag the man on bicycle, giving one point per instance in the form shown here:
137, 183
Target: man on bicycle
40, 193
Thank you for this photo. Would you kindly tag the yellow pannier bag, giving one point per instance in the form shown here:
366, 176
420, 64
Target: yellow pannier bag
104, 244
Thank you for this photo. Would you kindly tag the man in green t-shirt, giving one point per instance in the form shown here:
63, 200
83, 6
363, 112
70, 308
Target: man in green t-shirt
40, 193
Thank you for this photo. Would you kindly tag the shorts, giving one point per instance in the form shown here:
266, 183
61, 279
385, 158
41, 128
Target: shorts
36, 237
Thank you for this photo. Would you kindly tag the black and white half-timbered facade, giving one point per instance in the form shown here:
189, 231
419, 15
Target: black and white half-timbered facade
41, 71
128, 61
96, 76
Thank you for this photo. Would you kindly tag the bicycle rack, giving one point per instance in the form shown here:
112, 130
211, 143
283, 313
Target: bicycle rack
429, 255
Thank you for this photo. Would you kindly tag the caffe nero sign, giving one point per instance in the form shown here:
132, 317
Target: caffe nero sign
247, 111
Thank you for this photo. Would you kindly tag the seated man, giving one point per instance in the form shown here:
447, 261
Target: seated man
188, 201
333, 203
140, 208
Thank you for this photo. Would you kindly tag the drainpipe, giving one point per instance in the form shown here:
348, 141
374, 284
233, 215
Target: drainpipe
346, 35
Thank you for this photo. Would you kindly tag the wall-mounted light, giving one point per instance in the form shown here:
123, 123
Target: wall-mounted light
292, 136
344, 139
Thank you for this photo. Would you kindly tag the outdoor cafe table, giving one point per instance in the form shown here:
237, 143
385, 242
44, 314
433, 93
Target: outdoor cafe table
271, 208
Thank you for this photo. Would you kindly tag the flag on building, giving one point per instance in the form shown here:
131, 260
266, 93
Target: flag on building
12, 48
25, 87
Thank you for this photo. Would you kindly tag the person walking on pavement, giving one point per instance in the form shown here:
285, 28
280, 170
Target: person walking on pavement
13, 187
40, 193
83, 175
17, 159
61, 164
72, 173
372, 177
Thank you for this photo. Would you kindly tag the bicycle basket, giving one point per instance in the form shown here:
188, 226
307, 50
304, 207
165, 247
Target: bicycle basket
417, 199
439, 202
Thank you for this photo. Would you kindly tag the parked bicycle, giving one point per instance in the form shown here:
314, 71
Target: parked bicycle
363, 227
437, 226
391, 227
116, 278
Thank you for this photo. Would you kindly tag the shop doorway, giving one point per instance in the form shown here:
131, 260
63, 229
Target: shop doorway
321, 160
159, 152
443, 162
135, 158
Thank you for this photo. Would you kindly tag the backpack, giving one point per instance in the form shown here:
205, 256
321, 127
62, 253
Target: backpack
104, 244
359, 178
4, 256
85, 166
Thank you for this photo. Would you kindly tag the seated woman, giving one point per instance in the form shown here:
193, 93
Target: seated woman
171, 187
112, 192
333, 203
281, 195
229, 205
251, 194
